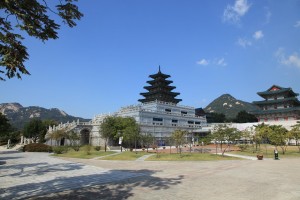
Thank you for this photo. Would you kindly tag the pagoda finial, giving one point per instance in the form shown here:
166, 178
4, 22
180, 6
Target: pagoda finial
159, 69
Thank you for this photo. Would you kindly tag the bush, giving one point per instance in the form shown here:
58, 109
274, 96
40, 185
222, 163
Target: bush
60, 149
76, 148
97, 148
37, 147
243, 147
87, 149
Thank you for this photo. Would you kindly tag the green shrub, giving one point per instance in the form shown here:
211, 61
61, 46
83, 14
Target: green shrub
37, 147
87, 149
97, 148
76, 147
60, 149
243, 147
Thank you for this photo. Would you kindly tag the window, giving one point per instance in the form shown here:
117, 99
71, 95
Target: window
168, 110
197, 122
155, 119
174, 121
190, 122
183, 112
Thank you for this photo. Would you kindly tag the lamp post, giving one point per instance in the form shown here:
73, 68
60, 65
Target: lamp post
120, 139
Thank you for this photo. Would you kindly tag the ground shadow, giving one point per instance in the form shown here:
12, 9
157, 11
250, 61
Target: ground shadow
112, 184
38, 168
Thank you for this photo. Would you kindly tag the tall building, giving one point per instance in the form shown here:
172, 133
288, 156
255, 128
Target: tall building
160, 115
279, 104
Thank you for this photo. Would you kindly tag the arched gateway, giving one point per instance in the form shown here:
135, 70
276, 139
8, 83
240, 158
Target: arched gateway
85, 136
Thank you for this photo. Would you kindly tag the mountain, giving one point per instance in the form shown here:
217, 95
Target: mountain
229, 106
19, 115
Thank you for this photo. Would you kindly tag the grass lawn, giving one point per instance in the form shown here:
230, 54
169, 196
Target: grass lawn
189, 157
268, 152
83, 154
126, 155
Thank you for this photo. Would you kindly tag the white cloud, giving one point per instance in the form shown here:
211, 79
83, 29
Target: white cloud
221, 62
233, 13
297, 24
215, 61
290, 60
202, 62
244, 42
258, 35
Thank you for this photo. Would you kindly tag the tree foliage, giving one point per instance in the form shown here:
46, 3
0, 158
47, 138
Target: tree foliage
35, 129
244, 117
32, 17
225, 134
278, 136
295, 134
178, 137
113, 127
5, 127
216, 118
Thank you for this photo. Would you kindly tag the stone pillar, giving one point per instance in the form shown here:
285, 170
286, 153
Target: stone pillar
22, 140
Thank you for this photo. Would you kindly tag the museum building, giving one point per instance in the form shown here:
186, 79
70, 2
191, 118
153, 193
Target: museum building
158, 113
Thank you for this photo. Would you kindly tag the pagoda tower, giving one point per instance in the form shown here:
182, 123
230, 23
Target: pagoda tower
160, 89
279, 104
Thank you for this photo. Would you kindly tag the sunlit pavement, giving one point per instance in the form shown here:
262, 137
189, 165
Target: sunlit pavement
39, 176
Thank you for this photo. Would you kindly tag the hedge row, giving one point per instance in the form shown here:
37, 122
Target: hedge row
37, 147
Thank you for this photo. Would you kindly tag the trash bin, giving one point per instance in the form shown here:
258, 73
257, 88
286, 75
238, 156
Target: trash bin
276, 154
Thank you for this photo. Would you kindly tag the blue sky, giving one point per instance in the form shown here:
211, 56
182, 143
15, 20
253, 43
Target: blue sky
208, 47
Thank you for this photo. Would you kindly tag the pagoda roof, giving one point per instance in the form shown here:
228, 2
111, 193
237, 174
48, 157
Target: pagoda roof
173, 94
172, 100
275, 89
294, 99
159, 89
168, 87
274, 111
159, 74
151, 82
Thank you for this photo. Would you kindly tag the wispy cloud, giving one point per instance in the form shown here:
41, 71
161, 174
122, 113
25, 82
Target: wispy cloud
289, 60
233, 13
202, 62
244, 42
297, 25
268, 15
215, 61
258, 35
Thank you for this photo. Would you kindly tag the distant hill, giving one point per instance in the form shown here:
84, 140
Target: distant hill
229, 106
19, 115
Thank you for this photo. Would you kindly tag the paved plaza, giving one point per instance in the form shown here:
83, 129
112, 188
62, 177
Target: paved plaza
40, 176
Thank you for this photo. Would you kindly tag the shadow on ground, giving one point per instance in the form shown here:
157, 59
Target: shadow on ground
113, 184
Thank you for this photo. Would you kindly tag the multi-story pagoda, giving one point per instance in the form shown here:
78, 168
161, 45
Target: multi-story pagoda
279, 104
160, 89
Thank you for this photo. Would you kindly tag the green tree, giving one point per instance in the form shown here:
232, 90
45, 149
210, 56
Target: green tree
107, 129
225, 134
146, 140
278, 137
178, 137
5, 128
262, 134
35, 129
32, 17
295, 134
74, 139
216, 118
112, 126
244, 117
